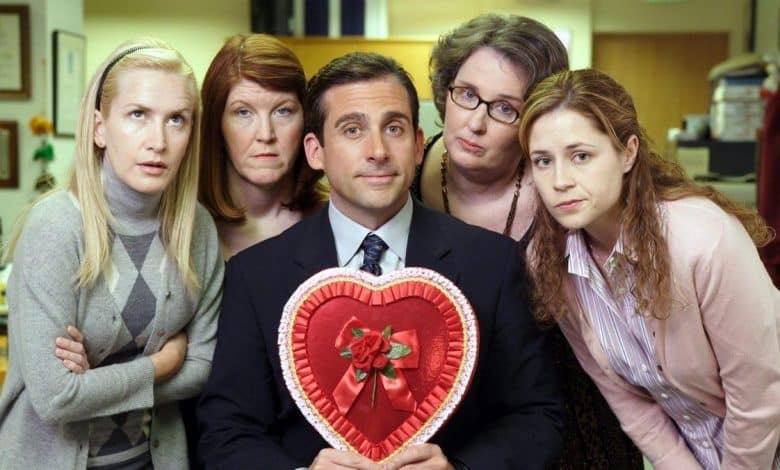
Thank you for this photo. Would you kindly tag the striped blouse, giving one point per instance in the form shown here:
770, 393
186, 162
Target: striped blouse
621, 329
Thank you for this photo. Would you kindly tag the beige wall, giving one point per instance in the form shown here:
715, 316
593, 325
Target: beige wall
45, 17
637, 16
768, 26
428, 19
197, 28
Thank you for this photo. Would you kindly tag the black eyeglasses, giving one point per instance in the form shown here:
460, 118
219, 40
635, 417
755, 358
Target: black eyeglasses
500, 110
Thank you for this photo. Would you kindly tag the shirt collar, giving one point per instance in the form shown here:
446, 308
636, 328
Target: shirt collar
579, 257
349, 234
577, 254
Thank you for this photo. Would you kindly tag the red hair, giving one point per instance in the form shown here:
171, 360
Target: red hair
266, 61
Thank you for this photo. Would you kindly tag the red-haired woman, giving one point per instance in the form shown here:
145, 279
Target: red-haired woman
254, 178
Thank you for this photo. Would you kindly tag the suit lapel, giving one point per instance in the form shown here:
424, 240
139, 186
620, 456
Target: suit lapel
315, 248
429, 246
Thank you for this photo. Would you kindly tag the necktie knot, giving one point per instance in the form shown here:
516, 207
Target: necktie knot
373, 247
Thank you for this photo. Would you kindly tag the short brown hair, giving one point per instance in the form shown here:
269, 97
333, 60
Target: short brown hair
525, 42
351, 68
266, 61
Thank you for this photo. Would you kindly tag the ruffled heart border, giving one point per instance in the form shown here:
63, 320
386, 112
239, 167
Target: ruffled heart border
448, 404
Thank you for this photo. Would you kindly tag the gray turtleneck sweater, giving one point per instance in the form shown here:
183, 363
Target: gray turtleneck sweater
114, 412
121, 441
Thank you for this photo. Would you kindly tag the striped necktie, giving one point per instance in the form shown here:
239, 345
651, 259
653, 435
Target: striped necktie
373, 247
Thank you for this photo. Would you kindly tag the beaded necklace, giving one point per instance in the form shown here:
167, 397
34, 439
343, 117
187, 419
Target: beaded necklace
510, 218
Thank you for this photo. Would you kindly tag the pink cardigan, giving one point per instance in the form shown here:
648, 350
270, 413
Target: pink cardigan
720, 344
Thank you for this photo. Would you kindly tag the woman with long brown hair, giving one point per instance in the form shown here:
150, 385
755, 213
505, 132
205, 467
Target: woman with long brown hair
667, 305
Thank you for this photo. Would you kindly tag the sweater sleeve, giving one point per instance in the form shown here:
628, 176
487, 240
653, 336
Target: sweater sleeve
238, 413
202, 329
43, 301
740, 309
640, 416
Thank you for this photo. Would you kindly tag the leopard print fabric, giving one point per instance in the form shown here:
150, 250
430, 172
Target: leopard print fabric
593, 440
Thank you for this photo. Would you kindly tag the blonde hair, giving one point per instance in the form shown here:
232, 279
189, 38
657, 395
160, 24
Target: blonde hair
179, 199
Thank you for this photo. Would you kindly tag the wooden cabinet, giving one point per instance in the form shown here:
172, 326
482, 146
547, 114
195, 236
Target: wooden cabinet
666, 73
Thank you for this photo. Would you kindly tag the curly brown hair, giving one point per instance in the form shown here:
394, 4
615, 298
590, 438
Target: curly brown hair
652, 179
268, 62
525, 42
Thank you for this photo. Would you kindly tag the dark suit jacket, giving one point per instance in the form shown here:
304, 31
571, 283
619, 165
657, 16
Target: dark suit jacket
509, 419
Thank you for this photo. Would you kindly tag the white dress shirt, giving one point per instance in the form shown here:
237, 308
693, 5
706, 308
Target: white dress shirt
349, 236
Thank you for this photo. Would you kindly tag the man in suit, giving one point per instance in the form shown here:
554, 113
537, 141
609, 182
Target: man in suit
362, 123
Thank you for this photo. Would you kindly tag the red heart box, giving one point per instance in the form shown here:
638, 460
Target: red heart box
376, 363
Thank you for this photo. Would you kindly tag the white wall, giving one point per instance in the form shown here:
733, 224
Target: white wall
45, 17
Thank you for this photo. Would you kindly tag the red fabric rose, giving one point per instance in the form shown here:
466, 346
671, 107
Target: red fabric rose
380, 361
370, 351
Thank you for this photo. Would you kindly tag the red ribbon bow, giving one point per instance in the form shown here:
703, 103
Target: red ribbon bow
397, 389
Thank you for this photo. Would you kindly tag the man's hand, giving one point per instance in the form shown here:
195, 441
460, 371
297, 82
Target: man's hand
329, 459
71, 351
419, 457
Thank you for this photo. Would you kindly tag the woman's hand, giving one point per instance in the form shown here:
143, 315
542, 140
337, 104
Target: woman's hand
71, 351
168, 360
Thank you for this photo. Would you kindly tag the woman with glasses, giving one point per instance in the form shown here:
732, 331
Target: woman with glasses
481, 73
472, 169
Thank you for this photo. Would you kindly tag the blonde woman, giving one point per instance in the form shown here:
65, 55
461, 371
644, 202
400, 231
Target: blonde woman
127, 258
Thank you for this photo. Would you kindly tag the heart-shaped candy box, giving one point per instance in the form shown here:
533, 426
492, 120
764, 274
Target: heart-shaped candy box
376, 363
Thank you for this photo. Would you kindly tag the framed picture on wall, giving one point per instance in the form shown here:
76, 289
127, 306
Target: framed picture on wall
9, 154
14, 52
68, 69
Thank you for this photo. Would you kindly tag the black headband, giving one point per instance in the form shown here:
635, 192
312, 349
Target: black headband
108, 68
